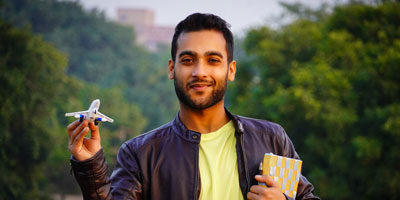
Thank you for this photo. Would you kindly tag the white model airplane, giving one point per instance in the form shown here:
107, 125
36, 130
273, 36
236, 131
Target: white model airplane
92, 115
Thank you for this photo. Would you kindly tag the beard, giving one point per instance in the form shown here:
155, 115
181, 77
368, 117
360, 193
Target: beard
184, 97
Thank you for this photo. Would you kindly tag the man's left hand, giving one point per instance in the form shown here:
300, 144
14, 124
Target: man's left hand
273, 191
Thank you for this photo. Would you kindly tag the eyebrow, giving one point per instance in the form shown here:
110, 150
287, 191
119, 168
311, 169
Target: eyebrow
208, 53
190, 53
214, 53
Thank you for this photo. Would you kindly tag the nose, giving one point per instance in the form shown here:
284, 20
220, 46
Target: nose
200, 69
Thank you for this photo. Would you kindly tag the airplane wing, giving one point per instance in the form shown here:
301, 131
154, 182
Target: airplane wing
76, 114
104, 118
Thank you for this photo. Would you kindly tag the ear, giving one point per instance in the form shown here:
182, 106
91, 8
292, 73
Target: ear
232, 70
171, 67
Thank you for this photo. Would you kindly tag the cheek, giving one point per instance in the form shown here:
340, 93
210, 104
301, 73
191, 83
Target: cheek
180, 80
221, 76
182, 72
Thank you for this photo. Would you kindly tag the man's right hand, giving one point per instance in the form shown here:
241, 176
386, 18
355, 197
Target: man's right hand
83, 148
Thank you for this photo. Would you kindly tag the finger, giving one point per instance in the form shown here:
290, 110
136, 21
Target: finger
270, 181
252, 196
72, 126
78, 142
267, 179
95, 134
256, 189
78, 130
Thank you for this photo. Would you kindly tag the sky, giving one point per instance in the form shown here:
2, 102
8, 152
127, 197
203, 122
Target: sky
241, 14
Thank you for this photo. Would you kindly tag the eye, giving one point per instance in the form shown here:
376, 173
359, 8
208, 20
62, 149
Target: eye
214, 60
186, 60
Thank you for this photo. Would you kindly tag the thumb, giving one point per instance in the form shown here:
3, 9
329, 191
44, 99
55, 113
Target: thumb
267, 179
95, 133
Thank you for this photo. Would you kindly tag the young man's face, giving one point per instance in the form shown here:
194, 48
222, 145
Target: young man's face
201, 69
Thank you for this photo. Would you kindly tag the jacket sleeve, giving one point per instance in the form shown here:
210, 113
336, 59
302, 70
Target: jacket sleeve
305, 189
91, 175
92, 178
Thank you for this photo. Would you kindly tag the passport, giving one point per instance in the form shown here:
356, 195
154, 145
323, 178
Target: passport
283, 170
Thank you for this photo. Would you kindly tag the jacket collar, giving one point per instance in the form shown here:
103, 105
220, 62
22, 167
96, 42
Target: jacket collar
180, 129
194, 136
236, 121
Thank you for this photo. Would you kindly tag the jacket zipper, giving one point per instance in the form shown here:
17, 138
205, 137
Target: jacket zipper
245, 163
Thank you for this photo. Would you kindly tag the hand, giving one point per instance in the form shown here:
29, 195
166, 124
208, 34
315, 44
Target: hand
83, 148
258, 192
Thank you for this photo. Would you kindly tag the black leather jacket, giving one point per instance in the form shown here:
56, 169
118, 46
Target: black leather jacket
163, 163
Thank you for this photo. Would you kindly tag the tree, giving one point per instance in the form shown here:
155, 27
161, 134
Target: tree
31, 77
103, 62
101, 52
333, 83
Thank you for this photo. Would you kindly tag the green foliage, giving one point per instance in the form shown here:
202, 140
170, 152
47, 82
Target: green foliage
333, 83
31, 77
154, 92
103, 62
101, 52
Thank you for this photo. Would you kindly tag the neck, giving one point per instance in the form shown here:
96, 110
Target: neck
206, 120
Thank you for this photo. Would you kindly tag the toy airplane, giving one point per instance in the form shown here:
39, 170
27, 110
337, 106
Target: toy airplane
92, 115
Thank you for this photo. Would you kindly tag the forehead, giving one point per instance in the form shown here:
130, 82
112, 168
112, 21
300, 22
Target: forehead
201, 42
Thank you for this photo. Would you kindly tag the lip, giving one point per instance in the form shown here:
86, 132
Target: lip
199, 86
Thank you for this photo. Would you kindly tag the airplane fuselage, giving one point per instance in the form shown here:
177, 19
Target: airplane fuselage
92, 114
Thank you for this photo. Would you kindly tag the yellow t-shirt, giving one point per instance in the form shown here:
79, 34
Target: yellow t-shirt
218, 165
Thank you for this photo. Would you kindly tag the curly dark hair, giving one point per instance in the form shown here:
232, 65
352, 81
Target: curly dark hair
201, 21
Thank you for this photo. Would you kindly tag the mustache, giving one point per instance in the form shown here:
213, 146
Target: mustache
197, 81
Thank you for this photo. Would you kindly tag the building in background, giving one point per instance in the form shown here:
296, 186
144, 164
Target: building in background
147, 33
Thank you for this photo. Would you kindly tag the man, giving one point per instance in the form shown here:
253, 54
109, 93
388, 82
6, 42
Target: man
205, 152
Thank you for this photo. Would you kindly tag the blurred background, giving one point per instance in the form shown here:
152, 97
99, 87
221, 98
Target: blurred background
327, 71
